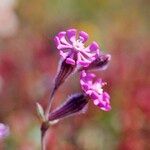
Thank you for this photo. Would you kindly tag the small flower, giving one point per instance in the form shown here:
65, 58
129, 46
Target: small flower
75, 104
100, 63
93, 88
73, 50
4, 131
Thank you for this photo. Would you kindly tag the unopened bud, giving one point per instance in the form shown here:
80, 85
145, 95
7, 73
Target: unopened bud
77, 103
100, 63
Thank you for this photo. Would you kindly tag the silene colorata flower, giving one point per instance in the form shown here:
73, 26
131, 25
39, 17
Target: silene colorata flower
93, 88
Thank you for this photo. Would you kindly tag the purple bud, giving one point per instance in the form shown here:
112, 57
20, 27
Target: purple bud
64, 71
4, 131
77, 103
100, 63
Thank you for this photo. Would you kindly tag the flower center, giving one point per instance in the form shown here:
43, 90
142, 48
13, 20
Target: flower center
78, 45
98, 88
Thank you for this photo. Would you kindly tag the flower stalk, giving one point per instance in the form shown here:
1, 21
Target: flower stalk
75, 57
44, 128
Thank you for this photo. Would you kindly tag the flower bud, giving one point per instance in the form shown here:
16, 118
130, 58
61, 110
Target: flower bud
100, 63
64, 71
77, 103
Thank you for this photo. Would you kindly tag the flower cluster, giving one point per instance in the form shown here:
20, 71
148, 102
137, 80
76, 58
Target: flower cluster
71, 46
76, 57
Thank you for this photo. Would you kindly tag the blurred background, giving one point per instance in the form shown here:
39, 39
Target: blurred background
28, 63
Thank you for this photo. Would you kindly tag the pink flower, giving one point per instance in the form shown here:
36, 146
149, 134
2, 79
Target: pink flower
72, 48
4, 131
93, 88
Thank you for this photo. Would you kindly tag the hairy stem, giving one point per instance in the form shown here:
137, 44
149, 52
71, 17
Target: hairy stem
49, 103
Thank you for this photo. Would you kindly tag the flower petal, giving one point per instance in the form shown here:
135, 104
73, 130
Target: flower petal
57, 41
64, 54
83, 36
82, 60
70, 61
71, 34
94, 46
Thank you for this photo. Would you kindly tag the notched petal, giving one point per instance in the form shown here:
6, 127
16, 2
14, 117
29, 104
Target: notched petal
71, 34
94, 46
83, 36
